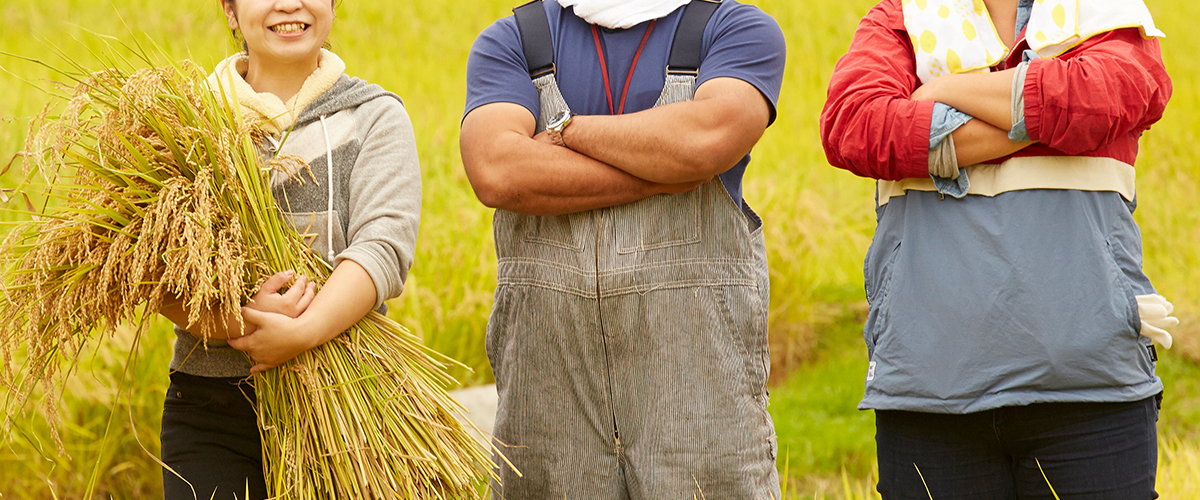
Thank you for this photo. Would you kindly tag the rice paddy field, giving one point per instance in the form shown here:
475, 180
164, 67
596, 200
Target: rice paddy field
819, 222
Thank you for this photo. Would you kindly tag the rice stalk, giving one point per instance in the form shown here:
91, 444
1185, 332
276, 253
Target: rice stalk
155, 191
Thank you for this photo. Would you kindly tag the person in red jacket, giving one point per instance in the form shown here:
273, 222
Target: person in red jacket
1011, 327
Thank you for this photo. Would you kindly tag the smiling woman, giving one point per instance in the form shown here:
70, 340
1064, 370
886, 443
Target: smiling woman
362, 216
286, 37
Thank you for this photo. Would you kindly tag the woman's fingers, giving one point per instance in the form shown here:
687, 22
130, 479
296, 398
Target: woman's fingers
274, 283
292, 303
297, 289
310, 292
245, 329
239, 343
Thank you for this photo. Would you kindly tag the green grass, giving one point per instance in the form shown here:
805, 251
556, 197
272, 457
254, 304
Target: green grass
111, 425
819, 221
829, 446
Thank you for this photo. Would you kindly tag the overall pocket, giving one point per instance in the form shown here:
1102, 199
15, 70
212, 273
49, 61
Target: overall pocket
561, 231
739, 308
497, 343
658, 222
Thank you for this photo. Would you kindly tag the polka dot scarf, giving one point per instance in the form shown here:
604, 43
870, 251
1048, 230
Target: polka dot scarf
957, 36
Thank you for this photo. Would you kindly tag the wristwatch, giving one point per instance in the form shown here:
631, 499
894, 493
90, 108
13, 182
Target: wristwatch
558, 123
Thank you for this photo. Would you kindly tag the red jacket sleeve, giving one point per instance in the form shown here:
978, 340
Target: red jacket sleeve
1112, 86
869, 125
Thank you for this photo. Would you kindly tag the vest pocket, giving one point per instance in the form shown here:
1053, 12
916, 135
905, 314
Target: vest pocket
878, 283
657, 222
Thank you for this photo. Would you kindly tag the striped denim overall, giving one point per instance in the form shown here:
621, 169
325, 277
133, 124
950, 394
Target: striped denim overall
629, 346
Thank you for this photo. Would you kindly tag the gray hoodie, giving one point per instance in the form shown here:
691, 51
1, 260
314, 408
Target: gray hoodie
370, 217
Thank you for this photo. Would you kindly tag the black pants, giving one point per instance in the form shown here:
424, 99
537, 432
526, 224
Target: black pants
1093, 451
210, 439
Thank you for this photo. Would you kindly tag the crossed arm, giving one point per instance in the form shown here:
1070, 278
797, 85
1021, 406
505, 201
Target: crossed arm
1110, 88
988, 98
1107, 90
610, 160
874, 123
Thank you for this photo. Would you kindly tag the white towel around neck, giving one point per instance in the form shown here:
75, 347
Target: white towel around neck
622, 14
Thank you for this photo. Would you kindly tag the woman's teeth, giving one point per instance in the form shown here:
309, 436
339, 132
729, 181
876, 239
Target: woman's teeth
288, 28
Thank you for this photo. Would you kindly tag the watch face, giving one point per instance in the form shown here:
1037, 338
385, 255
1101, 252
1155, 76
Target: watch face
559, 118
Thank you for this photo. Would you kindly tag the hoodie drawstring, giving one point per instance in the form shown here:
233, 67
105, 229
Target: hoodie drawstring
329, 189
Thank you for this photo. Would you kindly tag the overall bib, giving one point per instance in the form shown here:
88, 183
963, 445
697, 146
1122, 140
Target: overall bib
629, 346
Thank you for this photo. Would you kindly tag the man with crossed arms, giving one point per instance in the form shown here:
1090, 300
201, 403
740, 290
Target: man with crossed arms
629, 333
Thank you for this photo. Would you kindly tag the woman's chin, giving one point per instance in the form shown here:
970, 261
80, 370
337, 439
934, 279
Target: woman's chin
288, 55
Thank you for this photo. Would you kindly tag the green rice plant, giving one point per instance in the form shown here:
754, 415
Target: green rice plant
1043, 471
152, 190
110, 426
851, 488
1179, 467
863, 489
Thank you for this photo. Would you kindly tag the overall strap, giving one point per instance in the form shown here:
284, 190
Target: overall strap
536, 42
683, 65
689, 36
534, 28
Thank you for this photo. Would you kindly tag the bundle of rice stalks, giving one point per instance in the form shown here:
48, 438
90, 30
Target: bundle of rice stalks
155, 191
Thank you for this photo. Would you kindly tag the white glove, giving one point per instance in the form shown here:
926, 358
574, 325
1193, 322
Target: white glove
1156, 318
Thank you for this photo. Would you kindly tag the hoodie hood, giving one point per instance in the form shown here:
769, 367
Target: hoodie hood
274, 115
347, 93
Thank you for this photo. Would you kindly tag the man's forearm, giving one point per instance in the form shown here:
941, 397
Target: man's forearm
681, 142
658, 145
510, 170
535, 178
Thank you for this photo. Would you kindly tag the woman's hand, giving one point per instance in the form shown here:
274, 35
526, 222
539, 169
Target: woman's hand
267, 308
292, 303
267, 299
276, 339
346, 297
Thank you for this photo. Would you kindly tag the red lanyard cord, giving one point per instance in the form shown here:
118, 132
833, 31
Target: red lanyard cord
632, 67
603, 68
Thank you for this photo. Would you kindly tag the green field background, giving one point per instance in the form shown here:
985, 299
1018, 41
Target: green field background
819, 222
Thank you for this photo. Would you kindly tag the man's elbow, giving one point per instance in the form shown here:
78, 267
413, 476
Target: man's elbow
496, 199
715, 154
488, 184
490, 191
731, 134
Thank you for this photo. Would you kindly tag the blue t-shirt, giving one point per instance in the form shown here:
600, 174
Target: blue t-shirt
740, 42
